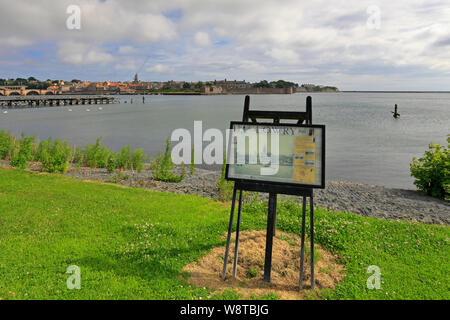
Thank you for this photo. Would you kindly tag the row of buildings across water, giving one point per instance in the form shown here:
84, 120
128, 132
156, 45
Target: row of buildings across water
137, 87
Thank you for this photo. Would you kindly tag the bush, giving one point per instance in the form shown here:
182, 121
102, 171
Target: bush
112, 163
43, 147
432, 171
8, 145
151, 163
96, 155
77, 156
163, 167
138, 159
123, 158
24, 153
54, 155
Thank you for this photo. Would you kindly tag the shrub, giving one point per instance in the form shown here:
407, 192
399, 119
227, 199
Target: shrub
164, 166
151, 163
43, 146
138, 159
123, 158
77, 156
112, 163
54, 155
24, 153
8, 145
432, 171
96, 155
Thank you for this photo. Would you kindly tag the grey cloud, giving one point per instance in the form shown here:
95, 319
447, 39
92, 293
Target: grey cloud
445, 42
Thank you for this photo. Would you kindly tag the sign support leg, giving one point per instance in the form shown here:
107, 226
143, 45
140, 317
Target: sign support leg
238, 227
269, 235
302, 250
230, 226
311, 208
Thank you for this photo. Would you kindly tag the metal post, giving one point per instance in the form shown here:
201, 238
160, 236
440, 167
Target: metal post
225, 260
311, 219
238, 227
309, 110
269, 235
302, 246
275, 221
246, 108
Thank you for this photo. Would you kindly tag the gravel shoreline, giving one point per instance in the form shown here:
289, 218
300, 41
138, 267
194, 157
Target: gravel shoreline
366, 200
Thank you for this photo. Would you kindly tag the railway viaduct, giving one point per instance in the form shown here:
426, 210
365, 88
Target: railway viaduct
23, 91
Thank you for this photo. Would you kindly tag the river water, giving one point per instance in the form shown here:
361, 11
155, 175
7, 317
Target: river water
364, 143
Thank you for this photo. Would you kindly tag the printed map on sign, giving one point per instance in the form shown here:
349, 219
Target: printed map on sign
304, 159
297, 160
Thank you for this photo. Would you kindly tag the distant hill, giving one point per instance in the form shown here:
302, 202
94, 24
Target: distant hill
316, 88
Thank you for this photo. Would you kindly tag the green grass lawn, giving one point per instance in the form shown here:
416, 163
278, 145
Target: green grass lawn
132, 243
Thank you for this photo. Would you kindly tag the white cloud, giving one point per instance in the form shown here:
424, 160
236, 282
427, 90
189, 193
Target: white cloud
13, 41
82, 54
103, 21
285, 55
126, 65
126, 50
159, 68
202, 39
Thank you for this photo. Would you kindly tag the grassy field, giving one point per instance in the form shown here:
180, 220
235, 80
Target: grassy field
132, 243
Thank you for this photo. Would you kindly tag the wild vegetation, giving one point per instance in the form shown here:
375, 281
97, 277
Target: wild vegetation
163, 167
56, 156
432, 171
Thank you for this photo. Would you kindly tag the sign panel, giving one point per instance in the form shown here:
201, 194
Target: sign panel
277, 153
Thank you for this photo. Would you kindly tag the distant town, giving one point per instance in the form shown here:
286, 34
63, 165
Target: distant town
33, 86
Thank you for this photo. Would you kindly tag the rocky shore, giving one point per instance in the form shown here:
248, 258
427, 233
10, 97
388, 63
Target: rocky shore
366, 200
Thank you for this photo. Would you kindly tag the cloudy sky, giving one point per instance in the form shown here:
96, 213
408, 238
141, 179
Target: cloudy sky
353, 44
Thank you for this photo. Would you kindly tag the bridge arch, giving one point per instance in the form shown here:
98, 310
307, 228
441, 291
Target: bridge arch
14, 93
49, 93
33, 93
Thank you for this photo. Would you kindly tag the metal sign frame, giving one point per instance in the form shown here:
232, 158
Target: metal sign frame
274, 188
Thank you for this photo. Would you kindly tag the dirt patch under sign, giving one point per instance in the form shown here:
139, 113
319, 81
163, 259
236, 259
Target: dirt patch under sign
285, 268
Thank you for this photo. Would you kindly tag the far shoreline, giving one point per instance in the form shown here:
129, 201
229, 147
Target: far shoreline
382, 91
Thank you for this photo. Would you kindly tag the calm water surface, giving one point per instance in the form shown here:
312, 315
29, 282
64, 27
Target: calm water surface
364, 142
